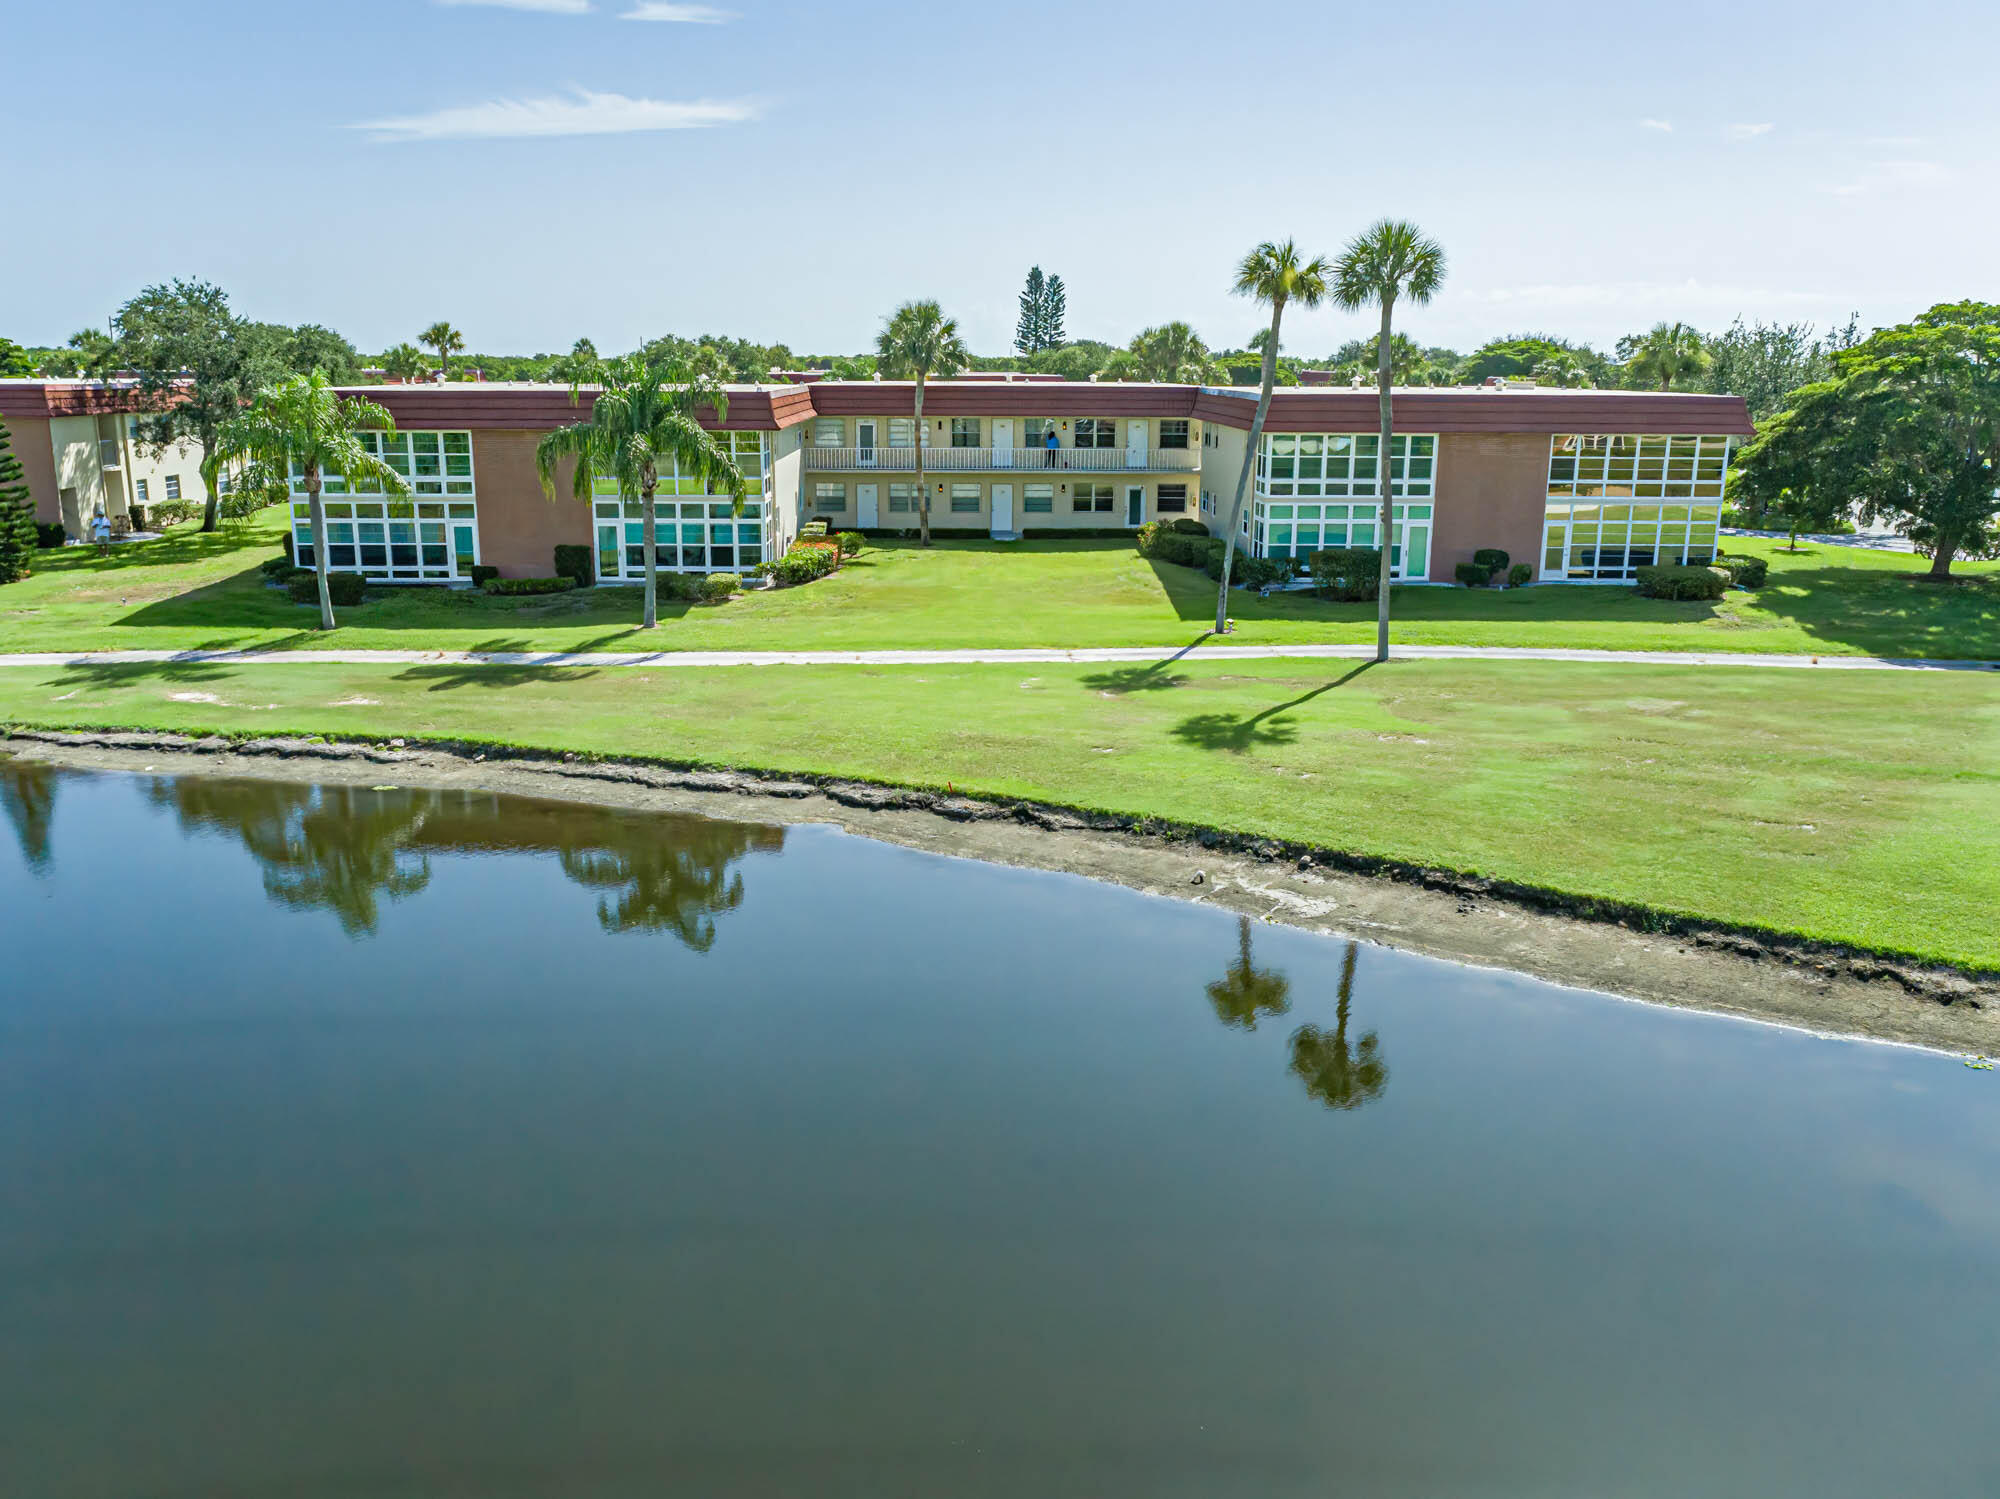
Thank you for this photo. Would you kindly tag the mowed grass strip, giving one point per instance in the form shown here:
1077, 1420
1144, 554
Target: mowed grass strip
188, 590
1860, 808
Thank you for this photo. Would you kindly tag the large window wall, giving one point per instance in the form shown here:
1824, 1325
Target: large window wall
1290, 529
1334, 465
1620, 503
694, 531
431, 536
1298, 473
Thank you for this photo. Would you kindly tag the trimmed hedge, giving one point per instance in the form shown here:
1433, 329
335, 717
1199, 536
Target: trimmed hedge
345, 589
1188, 526
1351, 574
1245, 571
1687, 583
719, 588
49, 535
482, 575
277, 569
1492, 559
518, 586
1520, 575
1744, 572
1473, 574
575, 562
804, 562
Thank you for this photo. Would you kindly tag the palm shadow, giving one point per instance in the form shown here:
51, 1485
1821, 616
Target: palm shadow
106, 675
1236, 733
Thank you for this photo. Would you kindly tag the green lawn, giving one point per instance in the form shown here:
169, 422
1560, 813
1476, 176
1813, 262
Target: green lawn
189, 590
1860, 807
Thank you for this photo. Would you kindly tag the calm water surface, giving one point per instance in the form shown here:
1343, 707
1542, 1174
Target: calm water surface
386, 1144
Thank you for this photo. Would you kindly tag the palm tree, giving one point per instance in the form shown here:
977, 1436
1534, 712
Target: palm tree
1271, 273
302, 421
1670, 352
1172, 353
1388, 260
1562, 368
647, 413
1340, 1077
405, 362
917, 342
1245, 992
446, 339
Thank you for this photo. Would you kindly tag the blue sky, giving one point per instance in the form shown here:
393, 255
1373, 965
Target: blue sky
540, 169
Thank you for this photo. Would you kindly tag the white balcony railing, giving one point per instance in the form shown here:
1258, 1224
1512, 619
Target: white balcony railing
981, 460
107, 453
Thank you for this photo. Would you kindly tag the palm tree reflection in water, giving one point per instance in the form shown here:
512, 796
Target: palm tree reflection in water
28, 797
346, 849
1340, 1074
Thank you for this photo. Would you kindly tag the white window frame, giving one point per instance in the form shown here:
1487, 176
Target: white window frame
1638, 487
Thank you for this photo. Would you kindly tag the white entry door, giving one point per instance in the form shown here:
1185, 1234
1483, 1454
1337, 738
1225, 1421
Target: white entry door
864, 501
1135, 444
1003, 444
1003, 508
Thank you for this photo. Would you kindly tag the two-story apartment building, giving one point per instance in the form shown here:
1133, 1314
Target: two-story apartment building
1582, 485
77, 442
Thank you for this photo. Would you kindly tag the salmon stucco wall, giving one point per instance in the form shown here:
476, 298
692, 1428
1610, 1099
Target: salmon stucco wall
1492, 491
29, 437
520, 526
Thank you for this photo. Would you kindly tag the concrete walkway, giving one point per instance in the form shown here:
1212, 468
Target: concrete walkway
1029, 657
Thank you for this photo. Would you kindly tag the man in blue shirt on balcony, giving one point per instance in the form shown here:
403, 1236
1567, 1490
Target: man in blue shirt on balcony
1051, 442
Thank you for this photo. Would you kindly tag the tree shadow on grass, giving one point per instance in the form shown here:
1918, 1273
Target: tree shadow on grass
180, 547
447, 676
1236, 733
112, 675
1152, 677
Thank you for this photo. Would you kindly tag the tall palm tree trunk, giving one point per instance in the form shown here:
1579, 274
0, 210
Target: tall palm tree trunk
317, 510
923, 485
211, 507
650, 534
1384, 471
1249, 466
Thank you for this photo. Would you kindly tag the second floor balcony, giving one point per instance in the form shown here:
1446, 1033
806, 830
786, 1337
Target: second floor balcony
942, 460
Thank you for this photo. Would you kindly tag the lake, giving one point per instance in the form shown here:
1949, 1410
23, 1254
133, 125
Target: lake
397, 1143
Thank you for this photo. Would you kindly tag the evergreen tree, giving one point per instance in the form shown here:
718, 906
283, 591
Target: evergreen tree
1028, 330
1054, 305
17, 514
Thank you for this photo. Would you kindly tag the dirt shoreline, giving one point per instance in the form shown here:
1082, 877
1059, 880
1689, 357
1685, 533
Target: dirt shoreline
1590, 945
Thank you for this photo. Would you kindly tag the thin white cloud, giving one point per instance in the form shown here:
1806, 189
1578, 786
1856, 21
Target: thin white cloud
1887, 176
584, 113
1750, 132
666, 10
1665, 125
551, 7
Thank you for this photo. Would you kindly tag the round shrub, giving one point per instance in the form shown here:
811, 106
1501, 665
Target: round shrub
482, 575
1473, 574
850, 542
1188, 526
277, 569
1685, 583
1520, 575
1351, 574
718, 588
1492, 559
1744, 572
